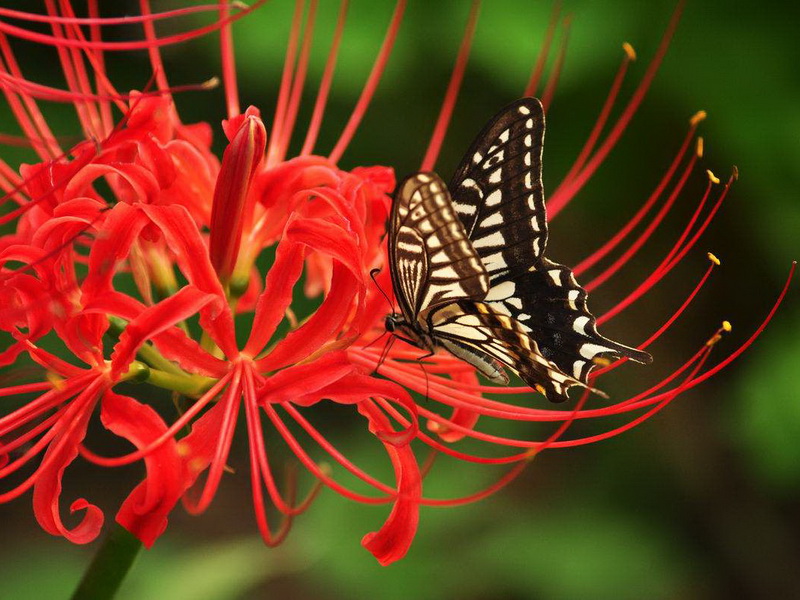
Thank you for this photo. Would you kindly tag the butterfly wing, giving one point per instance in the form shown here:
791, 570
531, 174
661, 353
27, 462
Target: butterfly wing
431, 259
550, 306
497, 190
491, 336
498, 195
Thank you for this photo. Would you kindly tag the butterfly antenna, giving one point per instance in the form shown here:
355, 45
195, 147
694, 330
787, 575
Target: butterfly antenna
372, 275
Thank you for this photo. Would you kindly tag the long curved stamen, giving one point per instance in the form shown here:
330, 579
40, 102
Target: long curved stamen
446, 111
325, 84
371, 84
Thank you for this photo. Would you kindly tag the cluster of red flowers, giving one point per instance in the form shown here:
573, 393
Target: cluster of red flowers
125, 241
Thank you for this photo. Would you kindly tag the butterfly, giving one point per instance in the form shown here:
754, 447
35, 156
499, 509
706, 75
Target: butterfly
469, 272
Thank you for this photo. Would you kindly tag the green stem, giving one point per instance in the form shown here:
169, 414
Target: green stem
109, 566
193, 386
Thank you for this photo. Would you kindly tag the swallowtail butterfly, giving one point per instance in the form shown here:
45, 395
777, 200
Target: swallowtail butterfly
469, 272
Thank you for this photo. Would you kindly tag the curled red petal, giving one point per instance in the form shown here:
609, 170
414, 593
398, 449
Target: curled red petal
47, 489
144, 512
391, 542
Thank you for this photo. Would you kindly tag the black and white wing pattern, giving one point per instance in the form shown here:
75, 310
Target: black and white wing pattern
474, 331
499, 197
469, 272
431, 259
497, 190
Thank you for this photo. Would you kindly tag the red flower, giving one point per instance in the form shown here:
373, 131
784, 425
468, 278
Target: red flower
77, 243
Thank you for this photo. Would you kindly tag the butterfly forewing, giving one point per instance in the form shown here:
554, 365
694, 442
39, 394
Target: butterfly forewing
497, 190
432, 259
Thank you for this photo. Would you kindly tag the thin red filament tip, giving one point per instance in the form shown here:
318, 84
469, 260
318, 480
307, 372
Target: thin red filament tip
371, 84
648, 231
555, 74
325, 84
286, 83
440, 129
568, 189
228, 61
544, 51
605, 112
615, 240
298, 81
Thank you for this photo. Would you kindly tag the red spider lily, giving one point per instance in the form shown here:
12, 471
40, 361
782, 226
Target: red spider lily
77, 244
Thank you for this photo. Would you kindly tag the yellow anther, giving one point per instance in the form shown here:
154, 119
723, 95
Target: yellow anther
182, 448
713, 258
700, 115
601, 362
540, 388
726, 326
699, 150
629, 51
735, 172
210, 84
711, 177
55, 380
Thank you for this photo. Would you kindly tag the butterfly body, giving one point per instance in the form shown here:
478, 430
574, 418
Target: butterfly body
469, 272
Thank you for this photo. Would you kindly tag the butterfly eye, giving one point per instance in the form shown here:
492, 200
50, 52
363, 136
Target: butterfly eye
390, 324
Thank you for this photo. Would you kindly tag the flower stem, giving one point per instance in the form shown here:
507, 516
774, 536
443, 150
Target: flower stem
193, 386
109, 566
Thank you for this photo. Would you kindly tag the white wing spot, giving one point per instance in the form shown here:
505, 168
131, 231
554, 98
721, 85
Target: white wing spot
591, 350
580, 326
577, 367
493, 219
504, 136
495, 260
524, 110
495, 197
496, 239
527, 159
572, 296
477, 157
515, 302
465, 209
496, 176
523, 316
529, 123
528, 183
501, 291
555, 275
528, 140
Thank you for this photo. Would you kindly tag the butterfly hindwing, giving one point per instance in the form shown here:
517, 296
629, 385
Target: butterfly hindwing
550, 306
479, 326
497, 190
432, 259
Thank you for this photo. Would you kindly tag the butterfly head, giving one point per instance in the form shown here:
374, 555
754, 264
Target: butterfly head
399, 327
393, 322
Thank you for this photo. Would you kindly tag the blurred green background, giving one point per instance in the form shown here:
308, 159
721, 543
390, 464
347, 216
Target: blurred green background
699, 502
